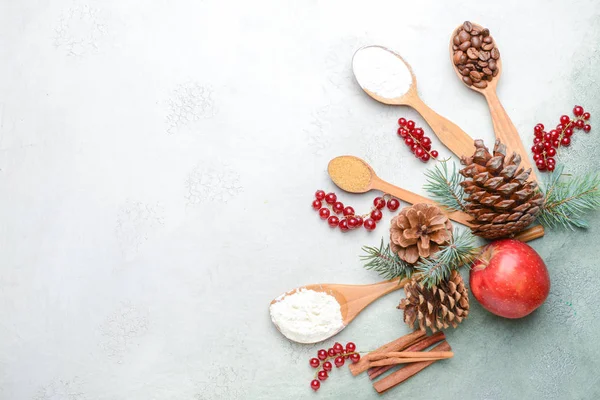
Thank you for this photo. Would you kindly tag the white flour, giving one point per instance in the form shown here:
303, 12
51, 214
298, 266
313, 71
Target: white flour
381, 72
307, 316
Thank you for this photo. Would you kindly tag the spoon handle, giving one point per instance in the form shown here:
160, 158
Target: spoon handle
454, 138
506, 131
414, 198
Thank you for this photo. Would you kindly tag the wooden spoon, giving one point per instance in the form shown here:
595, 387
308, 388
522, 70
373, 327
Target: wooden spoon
454, 138
354, 175
354, 298
503, 127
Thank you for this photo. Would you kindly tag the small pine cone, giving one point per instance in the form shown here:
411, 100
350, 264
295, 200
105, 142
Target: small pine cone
444, 305
418, 231
500, 198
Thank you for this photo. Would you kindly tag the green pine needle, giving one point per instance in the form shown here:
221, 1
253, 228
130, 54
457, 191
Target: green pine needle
567, 201
386, 263
444, 186
457, 253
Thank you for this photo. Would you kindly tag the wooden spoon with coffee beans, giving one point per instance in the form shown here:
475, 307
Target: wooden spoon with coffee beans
476, 61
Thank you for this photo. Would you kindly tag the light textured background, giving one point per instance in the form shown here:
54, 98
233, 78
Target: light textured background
157, 164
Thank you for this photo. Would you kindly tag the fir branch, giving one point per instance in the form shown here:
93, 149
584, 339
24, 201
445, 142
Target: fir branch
458, 252
385, 263
444, 186
567, 201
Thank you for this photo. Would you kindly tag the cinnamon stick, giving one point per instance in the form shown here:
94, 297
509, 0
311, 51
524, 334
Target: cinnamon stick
406, 372
399, 360
420, 345
397, 345
409, 354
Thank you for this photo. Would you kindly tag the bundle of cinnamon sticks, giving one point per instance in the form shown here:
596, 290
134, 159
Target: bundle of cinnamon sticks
406, 352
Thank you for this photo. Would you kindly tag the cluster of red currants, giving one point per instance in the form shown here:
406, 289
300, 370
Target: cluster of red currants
415, 138
339, 354
348, 218
546, 144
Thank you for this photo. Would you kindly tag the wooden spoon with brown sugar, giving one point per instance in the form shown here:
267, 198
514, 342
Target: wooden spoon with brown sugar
354, 175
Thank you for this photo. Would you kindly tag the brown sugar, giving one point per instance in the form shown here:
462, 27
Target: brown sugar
350, 174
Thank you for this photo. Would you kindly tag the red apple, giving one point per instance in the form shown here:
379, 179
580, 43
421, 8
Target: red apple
509, 279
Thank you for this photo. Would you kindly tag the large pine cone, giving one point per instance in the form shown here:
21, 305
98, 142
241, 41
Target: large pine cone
444, 305
418, 231
500, 199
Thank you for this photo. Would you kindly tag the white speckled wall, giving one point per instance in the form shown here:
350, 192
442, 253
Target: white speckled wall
157, 163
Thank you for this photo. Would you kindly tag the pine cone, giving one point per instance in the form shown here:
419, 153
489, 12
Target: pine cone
500, 199
418, 231
436, 308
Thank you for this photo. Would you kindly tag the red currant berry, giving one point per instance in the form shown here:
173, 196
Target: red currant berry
555, 133
320, 195
434, 154
537, 140
317, 204
331, 352
333, 221
578, 111
555, 144
536, 149
339, 361
551, 167
425, 142
538, 128
579, 123
418, 133
547, 145
587, 128
379, 203
350, 347
330, 198
547, 136
348, 211
327, 366
315, 385
314, 362
410, 124
322, 375
338, 348
564, 119
338, 207
539, 134
402, 122
550, 160
409, 141
352, 223
551, 152
359, 221
565, 141
370, 224
414, 147
324, 213
541, 164
419, 152
568, 132
559, 127
355, 357
322, 354
537, 156
393, 204
402, 132
425, 157
586, 116
376, 215
344, 225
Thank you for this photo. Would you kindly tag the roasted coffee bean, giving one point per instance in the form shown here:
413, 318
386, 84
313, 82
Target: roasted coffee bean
465, 72
472, 53
467, 80
464, 46
480, 84
476, 42
487, 71
495, 72
475, 75
495, 53
470, 65
467, 26
482, 63
457, 56
484, 55
485, 32
475, 32
492, 62
464, 59
464, 36
456, 40
487, 46
488, 39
